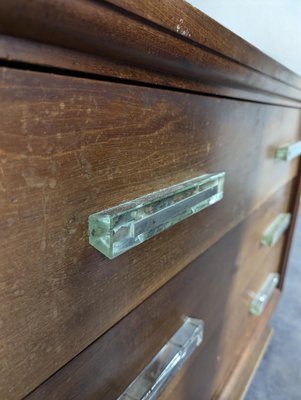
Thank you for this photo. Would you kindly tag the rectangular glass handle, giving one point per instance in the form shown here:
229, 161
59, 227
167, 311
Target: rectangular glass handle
151, 381
264, 294
118, 229
276, 229
289, 152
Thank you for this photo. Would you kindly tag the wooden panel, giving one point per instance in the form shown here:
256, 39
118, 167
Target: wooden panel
295, 205
238, 328
245, 353
137, 338
182, 18
253, 262
251, 268
214, 288
72, 147
245, 369
193, 377
106, 31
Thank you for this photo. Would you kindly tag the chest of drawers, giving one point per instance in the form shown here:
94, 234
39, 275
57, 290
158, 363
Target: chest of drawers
106, 103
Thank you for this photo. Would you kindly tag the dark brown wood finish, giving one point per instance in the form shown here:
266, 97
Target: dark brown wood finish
182, 18
238, 326
26, 55
193, 378
100, 29
139, 336
81, 146
214, 288
71, 146
226, 348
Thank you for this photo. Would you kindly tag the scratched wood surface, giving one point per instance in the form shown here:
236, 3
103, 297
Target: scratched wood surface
213, 288
135, 48
71, 147
182, 18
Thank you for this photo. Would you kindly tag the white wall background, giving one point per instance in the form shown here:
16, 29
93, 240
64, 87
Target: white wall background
274, 26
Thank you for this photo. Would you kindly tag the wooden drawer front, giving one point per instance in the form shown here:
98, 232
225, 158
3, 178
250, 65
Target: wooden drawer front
254, 262
213, 288
209, 370
107, 367
72, 147
197, 375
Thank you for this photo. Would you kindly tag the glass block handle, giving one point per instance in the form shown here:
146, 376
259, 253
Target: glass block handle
276, 229
288, 152
262, 297
118, 229
151, 381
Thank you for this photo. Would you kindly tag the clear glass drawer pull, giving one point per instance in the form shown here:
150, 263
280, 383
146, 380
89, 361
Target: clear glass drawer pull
274, 231
262, 298
166, 363
289, 151
116, 230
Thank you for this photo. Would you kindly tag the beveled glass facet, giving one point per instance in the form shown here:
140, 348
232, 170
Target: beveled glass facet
274, 231
116, 230
289, 152
166, 363
264, 294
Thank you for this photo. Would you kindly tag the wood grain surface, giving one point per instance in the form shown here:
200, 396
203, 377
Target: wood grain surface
140, 335
214, 288
193, 378
182, 18
103, 30
235, 332
248, 363
71, 147
237, 385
